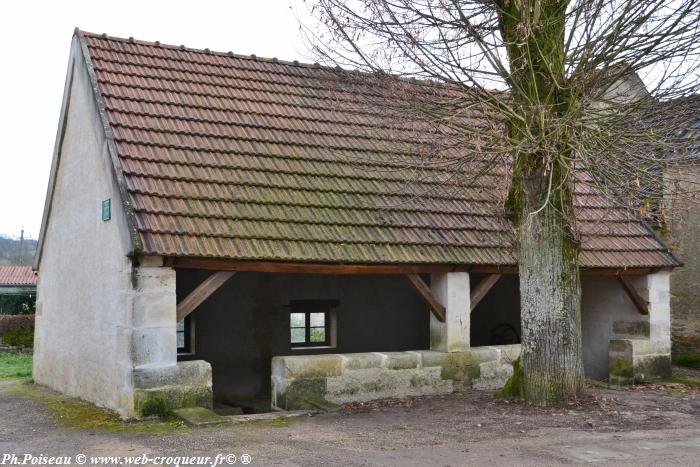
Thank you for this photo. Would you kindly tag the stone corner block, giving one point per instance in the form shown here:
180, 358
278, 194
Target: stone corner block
193, 372
163, 400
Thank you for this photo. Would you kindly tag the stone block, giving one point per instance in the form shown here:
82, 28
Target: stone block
193, 372
652, 368
484, 354
163, 400
621, 366
154, 309
631, 329
493, 375
293, 394
199, 416
154, 346
460, 367
359, 361
378, 383
155, 279
621, 346
401, 360
648, 347
430, 358
307, 366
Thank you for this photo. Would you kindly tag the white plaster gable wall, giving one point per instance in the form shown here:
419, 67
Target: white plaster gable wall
83, 330
604, 302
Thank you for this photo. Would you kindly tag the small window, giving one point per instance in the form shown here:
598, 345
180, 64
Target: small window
184, 338
310, 323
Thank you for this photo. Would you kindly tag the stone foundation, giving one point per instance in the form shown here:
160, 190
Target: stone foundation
638, 361
641, 349
342, 378
159, 390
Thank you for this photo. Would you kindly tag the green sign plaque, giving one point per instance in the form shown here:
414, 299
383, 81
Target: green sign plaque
106, 209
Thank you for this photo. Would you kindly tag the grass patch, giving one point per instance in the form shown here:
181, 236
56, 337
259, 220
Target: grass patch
13, 365
75, 413
687, 360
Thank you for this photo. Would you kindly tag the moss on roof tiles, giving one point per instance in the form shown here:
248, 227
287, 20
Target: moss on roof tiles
232, 157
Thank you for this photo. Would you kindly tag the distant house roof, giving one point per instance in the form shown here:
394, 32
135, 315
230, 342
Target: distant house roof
245, 158
13, 276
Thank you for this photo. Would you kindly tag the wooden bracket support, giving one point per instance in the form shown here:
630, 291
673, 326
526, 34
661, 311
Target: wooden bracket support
640, 303
436, 308
203, 291
481, 289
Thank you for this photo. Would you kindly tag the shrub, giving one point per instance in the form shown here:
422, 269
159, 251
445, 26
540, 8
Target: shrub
17, 330
8, 322
687, 360
20, 337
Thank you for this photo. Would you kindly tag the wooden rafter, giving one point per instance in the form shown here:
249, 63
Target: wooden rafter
640, 302
481, 289
203, 291
436, 308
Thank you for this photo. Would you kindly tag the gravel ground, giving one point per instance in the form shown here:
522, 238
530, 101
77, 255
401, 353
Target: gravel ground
649, 425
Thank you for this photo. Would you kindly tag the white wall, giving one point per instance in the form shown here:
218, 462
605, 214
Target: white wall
604, 301
83, 331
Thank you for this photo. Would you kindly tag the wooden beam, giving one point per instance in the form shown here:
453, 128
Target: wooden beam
311, 268
616, 272
481, 289
640, 303
210, 285
426, 295
342, 269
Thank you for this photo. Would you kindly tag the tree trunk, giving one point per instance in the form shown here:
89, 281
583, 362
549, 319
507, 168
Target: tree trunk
550, 308
541, 200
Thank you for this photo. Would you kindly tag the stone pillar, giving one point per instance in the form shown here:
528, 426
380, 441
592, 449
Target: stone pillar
154, 310
659, 296
452, 290
645, 358
160, 383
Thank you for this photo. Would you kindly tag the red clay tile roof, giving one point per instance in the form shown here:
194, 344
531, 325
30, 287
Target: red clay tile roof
245, 158
17, 276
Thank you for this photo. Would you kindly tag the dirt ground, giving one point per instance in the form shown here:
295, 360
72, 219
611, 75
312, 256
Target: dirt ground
649, 425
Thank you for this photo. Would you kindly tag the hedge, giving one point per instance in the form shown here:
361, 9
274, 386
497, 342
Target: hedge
17, 330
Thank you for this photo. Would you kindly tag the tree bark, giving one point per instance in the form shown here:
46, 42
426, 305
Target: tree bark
541, 200
550, 308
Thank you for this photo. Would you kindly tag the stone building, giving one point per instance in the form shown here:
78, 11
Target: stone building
681, 227
236, 228
17, 286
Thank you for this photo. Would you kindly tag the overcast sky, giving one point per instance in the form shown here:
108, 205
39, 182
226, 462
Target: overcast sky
36, 36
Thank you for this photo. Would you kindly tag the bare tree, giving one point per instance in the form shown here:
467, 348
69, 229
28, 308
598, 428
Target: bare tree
547, 89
